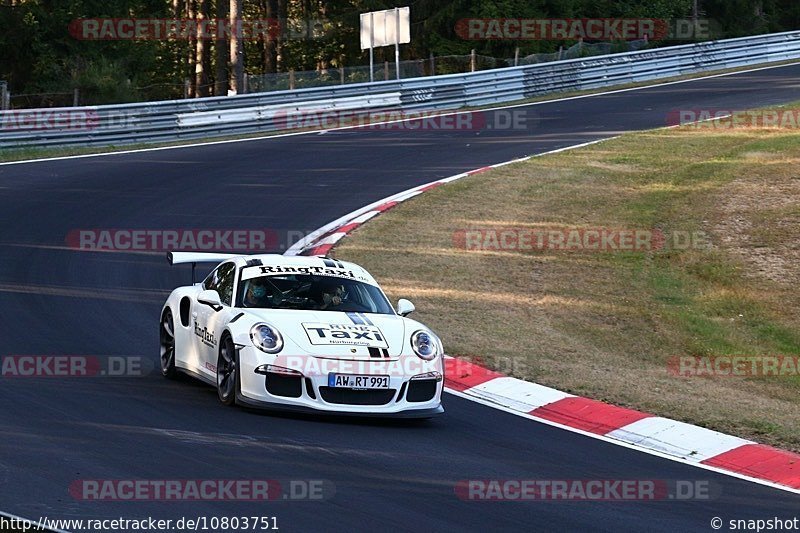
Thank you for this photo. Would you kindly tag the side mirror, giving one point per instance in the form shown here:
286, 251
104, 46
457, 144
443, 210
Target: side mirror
211, 299
404, 307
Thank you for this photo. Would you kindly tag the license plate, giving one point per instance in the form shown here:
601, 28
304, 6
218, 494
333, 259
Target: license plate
357, 381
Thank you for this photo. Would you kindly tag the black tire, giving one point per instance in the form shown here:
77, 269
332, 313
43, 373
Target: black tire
227, 371
167, 345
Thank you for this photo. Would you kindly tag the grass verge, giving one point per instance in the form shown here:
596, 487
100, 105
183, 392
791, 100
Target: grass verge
606, 324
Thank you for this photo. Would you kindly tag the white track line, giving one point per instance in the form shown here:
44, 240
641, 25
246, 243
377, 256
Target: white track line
310, 242
681, 460
317, 132
311, 239
451, 391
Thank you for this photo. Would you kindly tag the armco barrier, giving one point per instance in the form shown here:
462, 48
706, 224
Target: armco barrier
252, 113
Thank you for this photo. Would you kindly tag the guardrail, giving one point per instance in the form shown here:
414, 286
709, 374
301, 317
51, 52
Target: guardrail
177, 120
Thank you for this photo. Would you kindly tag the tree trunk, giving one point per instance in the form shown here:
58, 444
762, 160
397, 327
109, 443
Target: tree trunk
177, 47
236, 52
282, 16
221, 53
202, 57
190, 16
269, 51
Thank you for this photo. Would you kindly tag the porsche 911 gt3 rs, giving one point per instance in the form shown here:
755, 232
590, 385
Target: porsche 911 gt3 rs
300, 333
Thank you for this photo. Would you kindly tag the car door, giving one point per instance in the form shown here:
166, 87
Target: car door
208, 323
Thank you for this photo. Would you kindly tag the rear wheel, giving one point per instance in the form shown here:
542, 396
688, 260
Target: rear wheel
167, 342
227, 372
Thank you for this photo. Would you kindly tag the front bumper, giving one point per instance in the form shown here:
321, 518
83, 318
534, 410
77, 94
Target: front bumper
409, 413
309, 390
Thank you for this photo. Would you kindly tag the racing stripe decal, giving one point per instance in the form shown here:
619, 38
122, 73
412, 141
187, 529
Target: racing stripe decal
354, 318
374, 352
362, 319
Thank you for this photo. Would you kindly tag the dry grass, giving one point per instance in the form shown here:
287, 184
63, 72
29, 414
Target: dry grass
604, 324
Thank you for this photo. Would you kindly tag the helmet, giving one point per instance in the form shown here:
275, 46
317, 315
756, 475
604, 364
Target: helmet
257, 288
259, 291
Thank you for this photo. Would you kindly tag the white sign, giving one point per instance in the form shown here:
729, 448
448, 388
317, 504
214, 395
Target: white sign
380, 28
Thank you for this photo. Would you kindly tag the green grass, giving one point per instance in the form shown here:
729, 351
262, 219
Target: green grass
606, 324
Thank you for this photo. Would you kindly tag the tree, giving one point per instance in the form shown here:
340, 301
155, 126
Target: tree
236, 70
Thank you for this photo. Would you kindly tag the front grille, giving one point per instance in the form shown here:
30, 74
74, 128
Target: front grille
357, 397
421, 390
283, 385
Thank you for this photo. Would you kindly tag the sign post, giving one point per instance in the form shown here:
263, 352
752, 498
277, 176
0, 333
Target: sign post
385, 28
397, 41
371, 46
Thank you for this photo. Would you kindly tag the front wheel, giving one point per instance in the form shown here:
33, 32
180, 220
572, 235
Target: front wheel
227, 372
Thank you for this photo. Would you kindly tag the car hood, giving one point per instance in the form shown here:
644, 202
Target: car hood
337, 335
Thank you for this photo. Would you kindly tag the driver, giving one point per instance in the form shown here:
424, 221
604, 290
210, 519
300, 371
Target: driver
332, 296
256, 293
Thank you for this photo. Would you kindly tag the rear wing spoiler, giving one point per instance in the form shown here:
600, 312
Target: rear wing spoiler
178, 258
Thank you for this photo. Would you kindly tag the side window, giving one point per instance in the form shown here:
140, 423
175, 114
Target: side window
221, 280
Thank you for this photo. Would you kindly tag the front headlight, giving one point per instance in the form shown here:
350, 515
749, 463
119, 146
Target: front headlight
425, 344
266, 338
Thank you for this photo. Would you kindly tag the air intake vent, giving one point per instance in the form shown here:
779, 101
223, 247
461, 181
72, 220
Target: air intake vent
357, 397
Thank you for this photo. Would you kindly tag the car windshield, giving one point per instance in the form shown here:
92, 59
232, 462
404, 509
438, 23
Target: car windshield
313, 293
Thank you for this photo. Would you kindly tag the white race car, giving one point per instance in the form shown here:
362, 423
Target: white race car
300, 333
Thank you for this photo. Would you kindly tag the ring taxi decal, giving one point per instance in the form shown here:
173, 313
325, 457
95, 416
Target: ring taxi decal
344, 334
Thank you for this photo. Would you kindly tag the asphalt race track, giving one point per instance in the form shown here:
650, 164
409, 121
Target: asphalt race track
390, 475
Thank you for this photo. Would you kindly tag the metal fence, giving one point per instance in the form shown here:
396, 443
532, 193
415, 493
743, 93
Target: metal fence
433, 66
291, 80
253, 113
